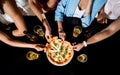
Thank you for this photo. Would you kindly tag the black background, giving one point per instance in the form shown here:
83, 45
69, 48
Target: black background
103, 57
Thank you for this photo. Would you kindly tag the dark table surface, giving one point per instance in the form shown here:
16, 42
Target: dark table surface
102, 57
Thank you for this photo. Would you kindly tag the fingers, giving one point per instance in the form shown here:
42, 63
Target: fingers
106, 20
62, 36
74, 43
42, 45
39, 47
48, 37
102, 21
75, 49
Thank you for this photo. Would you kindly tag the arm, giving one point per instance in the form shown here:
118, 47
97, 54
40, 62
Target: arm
34, 5
95, 8
104, 34
15, 43
59, 12
59, 17
11, 9
88, 8
61, 32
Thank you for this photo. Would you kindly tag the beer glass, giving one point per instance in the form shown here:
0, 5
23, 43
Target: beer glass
31, 55
82, 58
38, 30
76, 31
31, 37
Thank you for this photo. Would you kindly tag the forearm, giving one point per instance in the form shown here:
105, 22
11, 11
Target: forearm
11, 9
41, 16
105, 33
97, 37
39, 13
16, 43
60, 28
6, 39
36, 8
46, 24
20, 23
88, 8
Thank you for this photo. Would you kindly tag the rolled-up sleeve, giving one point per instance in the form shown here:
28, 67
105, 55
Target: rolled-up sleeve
60, 10
96, 6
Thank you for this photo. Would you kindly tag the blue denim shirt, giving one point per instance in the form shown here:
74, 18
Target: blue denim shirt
68, 7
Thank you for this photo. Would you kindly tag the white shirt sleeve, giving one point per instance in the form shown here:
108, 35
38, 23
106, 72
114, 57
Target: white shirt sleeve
112, 9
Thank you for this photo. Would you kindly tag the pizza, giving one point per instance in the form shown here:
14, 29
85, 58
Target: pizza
59, 52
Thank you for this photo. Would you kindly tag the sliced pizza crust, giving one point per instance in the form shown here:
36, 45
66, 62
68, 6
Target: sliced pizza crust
59, 52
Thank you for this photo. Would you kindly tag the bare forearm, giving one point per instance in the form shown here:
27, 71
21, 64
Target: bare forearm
20, 23
11, 9
20, 44
6, 39
39, 13
105, 33
98, 37
36, 8
88, 8
60, 28
46, 23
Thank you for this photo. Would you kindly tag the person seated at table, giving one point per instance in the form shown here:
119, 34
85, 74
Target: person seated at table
10, 9
84, 10
110, 30
16, 43
40, 7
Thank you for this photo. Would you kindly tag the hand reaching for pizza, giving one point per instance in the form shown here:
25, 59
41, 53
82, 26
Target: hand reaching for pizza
62, 35
78, 47
48, 35
39, 47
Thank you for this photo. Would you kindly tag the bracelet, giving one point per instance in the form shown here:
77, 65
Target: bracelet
85, 43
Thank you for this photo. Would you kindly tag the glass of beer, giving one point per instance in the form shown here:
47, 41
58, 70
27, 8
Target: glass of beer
82, 58
76, 31
31, 37
38, 30
31, 55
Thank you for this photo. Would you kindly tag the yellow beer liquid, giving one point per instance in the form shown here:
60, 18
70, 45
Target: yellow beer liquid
32, 55
40, 32
82, 58
76, 32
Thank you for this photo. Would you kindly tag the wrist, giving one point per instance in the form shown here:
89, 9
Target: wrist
84, 43
60, 29
48, 28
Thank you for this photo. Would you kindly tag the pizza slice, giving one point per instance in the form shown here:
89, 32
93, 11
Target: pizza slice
59, 52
